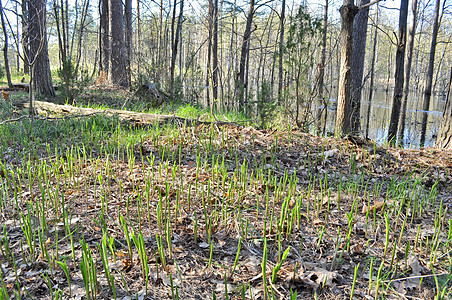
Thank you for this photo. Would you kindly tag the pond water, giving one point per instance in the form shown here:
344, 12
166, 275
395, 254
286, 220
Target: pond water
380, 113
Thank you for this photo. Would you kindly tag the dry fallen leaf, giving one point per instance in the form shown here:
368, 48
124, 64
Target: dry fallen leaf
378, 205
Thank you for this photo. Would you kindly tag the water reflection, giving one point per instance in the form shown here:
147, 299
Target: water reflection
380, 113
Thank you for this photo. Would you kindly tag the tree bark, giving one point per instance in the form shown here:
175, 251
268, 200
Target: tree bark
128, 37
117, 74
281, 47
343, 116
429, 77
56, 13
242, 81
39, 57
5, 48
399, 74
322, 101
104, 57
81, 35
215, 51
372, 71
25, 39
444, 139
138, 38
359, 53
175, 41
406, 82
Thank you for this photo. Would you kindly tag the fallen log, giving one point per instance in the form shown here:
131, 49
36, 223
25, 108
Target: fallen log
48, 108
22, 86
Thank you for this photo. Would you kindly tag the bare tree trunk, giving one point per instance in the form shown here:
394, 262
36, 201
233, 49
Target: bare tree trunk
281, 49
242, 81
39, 57
117, 64
322, 101
5, 48
62, 50
76, 8
231, 55
138, 38
16, 11
444, 139
104, 61
359, 53
215, 51
429, 78
25, 38
81, 34
175, 41
399, 74
372, 71
128, 38
209, 51
406, 83
343, 116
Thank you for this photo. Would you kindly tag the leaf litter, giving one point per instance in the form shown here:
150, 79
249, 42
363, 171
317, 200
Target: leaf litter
205, 190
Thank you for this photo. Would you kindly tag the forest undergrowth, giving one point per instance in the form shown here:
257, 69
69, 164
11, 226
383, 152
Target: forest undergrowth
95, 208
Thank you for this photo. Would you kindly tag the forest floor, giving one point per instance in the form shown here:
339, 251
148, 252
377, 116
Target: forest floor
98, 207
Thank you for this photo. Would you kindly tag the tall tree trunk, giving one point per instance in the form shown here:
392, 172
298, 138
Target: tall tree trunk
76, 8
128, 38
117, 65
16, 11
81, 35
138, 38
444, 139
372, 71
209, 51
406, 82
62, 50
429, 78
231, 55
25, 38
359, 53
104, 57
399, 74
5, 47
322, 101
215, 51
343, 116
175, 41
281, 47
242, 80
39, 57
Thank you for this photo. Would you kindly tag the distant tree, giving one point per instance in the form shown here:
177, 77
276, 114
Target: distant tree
399, 74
